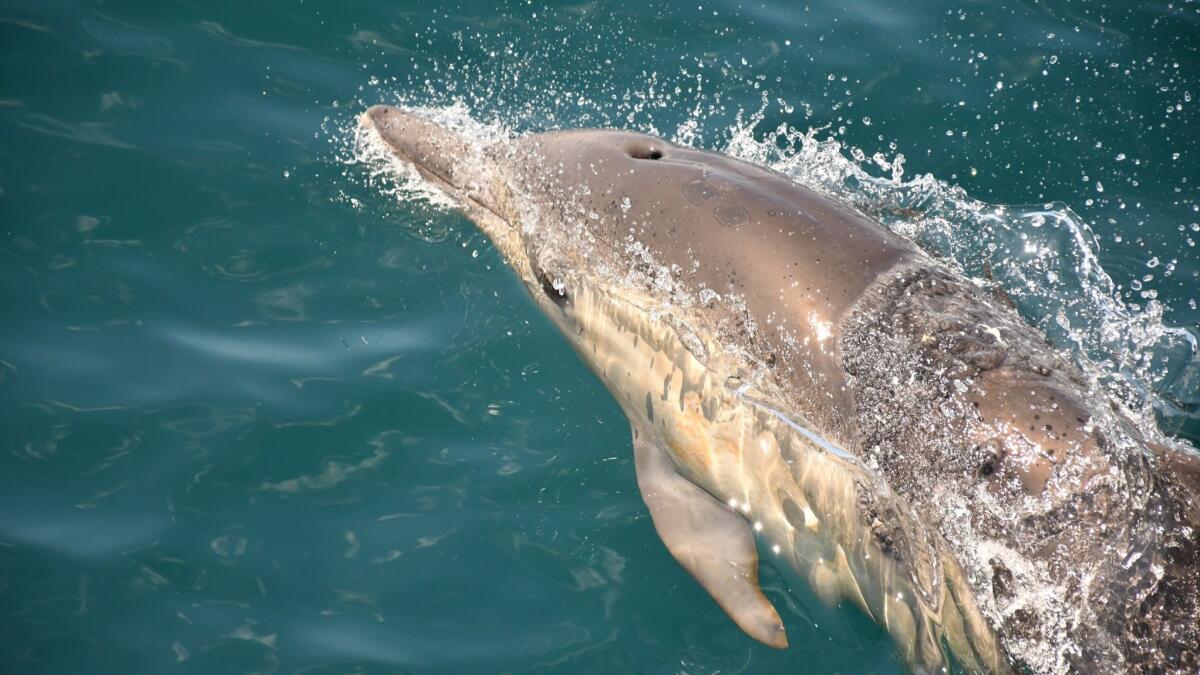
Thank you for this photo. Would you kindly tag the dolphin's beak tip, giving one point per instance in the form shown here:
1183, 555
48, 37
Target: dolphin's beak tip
432, 148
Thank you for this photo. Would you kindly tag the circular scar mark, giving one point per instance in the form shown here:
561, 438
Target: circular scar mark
699, 191
731, 215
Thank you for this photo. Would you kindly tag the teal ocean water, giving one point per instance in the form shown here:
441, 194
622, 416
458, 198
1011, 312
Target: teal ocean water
263, 411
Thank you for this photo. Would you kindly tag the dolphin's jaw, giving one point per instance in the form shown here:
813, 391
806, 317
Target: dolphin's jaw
820, 511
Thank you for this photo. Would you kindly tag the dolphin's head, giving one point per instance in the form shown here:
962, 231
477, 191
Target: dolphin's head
477, 174
443, 156
548, 201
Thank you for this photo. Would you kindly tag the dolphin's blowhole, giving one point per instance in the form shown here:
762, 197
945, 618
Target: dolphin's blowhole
644, 151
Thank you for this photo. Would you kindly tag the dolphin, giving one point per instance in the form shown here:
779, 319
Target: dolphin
801, 380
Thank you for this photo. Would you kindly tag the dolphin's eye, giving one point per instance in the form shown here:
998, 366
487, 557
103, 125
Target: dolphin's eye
558, 297
644, 151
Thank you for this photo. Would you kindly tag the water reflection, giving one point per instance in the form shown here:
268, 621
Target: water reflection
77, 533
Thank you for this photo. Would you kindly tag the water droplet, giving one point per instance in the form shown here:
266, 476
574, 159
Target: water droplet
1061, 319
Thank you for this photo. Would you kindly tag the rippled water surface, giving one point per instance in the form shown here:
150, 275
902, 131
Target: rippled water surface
262, 412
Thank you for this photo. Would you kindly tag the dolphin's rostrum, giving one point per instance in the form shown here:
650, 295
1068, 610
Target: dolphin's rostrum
792, 370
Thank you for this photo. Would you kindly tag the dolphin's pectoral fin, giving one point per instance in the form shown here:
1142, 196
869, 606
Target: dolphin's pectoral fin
709, 539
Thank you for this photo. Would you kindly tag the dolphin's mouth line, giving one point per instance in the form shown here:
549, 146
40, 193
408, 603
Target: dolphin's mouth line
435, 173
425, 168
475, 202
421, 167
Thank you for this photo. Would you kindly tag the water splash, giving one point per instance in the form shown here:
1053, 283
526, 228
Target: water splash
1045, 258
368, 164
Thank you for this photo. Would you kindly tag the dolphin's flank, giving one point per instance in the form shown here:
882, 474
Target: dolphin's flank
795, 374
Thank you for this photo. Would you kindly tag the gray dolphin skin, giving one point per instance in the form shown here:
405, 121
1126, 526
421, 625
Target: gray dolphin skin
803, 382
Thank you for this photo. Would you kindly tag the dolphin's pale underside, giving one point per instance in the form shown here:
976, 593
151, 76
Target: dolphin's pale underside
798, 376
